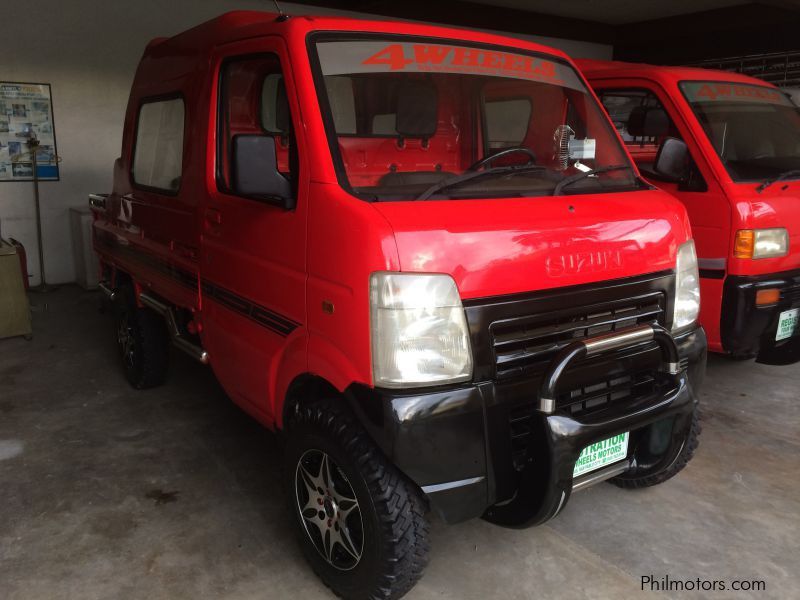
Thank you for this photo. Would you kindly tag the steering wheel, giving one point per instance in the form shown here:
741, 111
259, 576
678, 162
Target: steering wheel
488, 160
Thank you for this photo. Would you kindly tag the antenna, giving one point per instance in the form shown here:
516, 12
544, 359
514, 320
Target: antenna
282, 16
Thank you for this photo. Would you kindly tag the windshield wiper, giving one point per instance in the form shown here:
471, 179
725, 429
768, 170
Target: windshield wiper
781, 177
584, 174
470, 175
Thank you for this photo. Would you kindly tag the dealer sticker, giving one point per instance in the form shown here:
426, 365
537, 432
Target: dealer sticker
601, 454
787, 324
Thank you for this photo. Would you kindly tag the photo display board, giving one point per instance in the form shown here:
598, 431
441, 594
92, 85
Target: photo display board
26, 109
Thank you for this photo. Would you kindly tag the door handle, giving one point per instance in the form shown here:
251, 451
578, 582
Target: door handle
212, 220
213, 216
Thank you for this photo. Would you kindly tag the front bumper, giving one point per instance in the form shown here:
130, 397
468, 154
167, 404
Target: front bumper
458, 444
748, 330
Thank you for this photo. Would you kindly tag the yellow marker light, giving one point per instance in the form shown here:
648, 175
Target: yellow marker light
744, 244
768, 296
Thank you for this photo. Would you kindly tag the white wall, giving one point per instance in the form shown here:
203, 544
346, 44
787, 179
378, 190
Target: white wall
88, 50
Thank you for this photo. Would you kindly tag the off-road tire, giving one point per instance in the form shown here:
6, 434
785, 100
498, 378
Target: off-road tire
395, 530
686, 454
146, 361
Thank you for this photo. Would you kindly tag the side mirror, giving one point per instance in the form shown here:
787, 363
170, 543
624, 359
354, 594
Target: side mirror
672, 161
255, 171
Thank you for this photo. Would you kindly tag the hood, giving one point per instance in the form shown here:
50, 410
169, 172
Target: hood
507, 246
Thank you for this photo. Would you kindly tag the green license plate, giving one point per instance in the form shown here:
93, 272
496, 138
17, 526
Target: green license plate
787, 324
601, 454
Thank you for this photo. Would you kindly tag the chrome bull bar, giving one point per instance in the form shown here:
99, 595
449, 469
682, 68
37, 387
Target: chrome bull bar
601, 344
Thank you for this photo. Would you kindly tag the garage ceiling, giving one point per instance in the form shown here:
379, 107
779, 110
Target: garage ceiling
615, 12
657, 31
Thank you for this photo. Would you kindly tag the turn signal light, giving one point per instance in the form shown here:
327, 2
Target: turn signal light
744, 244
768, 296
761, 243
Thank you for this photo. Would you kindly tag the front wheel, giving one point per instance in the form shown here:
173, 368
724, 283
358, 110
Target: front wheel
684, 456
361, 523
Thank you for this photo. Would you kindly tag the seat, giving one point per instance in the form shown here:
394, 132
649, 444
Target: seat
417, 111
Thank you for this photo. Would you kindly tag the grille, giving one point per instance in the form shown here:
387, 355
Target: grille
791, 293
523, 346
577, 402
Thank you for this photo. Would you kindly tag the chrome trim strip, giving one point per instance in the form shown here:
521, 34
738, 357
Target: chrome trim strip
618, 339
672, 368
714, 264
547, 405
440, 487
590, 479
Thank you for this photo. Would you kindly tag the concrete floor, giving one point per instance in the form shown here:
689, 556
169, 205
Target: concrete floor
106, 492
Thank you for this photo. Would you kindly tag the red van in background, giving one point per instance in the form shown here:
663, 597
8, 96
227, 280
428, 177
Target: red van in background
423, 255
731, 154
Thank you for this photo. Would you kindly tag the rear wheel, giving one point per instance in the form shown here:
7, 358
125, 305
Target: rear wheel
143, 341
361, 523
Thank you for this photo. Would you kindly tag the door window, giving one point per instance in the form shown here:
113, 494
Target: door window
643, 123
253, 101
641, 120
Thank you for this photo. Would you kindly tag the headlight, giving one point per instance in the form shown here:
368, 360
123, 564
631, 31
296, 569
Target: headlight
419, 332
761, 243
687, 287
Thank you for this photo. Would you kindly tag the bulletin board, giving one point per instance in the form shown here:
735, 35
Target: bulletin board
26, 109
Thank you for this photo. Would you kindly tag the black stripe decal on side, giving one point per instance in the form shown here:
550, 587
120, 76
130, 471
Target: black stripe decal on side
247, 308
253, 311
712, 274
182, 276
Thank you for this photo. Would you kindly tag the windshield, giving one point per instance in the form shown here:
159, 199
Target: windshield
754, 129
415, 119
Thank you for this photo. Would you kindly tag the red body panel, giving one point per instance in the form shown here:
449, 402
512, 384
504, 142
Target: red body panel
279, 294
727, 206
538, 243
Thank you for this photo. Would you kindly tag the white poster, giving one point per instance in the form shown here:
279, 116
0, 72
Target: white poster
26, 111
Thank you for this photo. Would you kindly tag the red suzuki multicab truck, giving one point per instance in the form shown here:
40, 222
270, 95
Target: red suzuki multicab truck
733, 144
420, 253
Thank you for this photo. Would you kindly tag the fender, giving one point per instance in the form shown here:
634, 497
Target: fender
311, 354
289, 364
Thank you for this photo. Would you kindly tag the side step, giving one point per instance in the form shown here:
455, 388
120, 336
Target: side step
178, 340
107, 290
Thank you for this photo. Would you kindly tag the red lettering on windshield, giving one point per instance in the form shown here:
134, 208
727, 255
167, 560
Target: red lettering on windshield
547, 69
391, 55
724, 91
492, 60
429, 57
467, 56
430, 54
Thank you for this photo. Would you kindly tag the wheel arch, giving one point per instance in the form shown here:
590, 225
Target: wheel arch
310, 368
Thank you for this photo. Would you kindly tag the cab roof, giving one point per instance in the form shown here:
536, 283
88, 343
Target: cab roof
242, 24
612, 69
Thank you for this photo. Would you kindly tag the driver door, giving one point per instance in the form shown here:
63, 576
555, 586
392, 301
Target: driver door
253, 249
